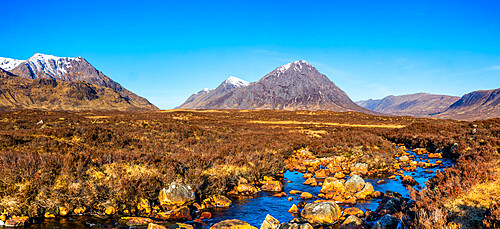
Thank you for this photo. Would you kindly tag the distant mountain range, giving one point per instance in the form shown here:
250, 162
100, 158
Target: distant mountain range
293, 86
62, 83
476, 105
417, 105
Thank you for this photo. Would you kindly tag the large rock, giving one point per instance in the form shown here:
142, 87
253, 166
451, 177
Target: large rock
246, 189
331, 184
354, 184
311, 181
321, 213
217, 201
270, 223
359, 168
386, 222
232, 224
295, 226
351, 222
155, 226
366, 191
17, 222
272, 186
180, 214
177, 194
135, 221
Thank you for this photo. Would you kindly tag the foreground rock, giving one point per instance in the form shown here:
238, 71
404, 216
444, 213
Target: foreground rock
354, 184
17, 221
232, 224
321, 213
295, 226
272, 186
180, 214
177, 194
352, 222
386, 222
217, 201
270, 223
135, 221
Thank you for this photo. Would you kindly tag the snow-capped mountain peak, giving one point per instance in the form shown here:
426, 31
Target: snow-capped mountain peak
8, 64
53, 66
236, 82
295, 66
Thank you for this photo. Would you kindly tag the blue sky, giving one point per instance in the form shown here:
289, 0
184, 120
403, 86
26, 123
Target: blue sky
167, 50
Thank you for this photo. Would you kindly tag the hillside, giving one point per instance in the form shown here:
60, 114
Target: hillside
483, 104
416, 105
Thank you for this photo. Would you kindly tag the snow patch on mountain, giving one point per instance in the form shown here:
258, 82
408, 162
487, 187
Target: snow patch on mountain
51, 65
297, 66
236, 82
8, 64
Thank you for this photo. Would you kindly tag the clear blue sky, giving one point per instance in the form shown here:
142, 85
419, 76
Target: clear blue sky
167, 50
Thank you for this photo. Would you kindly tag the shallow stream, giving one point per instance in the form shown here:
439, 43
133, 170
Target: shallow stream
254, 209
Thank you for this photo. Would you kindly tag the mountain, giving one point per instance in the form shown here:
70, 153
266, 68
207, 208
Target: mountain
293, 86
476, 105
206, 95
417, 105
64, 71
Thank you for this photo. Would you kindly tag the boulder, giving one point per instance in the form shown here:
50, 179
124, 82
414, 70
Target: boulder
294, 209
180, 214
206, 215
366, 191
331, 184
354, 184
408, 180
135, 221
321, 174
155, 226
270, 223
404, 159
246, 188
307, 175
321, 213
352, 222
295, 192
353, 211
18, 221
295, 226
339, 175
435, 155
311, 181
359, 168
217, 201
177, 194
272, 186
232, 224
386, 222
306, 195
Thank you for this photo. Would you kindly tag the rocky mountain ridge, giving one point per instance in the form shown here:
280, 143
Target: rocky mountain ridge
293, 86
59, 73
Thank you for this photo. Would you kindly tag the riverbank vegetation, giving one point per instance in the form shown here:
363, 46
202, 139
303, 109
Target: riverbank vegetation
95, 161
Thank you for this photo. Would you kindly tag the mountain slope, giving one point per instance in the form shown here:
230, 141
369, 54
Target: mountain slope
294, 86
417, 105
68, 69
476, 105
50, 94
205, 95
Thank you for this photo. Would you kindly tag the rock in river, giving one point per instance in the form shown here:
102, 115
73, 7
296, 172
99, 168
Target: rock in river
321, 213
232, 224
177, 194
354, 184
270, 223
272, 186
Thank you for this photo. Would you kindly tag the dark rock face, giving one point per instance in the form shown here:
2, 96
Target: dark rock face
417, 105
476, 105
294, 86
